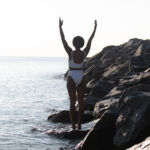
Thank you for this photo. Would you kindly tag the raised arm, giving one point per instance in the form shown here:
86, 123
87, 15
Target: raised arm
65, 44
88, 46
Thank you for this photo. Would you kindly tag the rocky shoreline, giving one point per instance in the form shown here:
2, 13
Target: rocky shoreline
117, 100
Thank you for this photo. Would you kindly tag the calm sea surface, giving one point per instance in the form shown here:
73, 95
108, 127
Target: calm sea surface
30, 88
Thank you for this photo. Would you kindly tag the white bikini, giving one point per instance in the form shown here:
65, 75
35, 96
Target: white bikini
78, 73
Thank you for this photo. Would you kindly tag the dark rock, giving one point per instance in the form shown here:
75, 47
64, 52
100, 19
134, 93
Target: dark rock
146, 58
133, 43
115, 93
101, 135
147, 70
105, 105
119, 78
90, 85
90, 102
102, 88
137, 64
64, 117
134, 78
99, 55
116, 71
67, 133
134, 116
145, 145
98, 71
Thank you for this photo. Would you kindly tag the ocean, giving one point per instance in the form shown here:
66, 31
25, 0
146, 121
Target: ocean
30, 89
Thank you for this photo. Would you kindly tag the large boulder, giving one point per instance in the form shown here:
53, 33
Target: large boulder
134, 115
64, 117
101, 135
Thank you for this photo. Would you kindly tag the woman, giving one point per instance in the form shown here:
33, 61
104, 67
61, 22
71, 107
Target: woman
76, 81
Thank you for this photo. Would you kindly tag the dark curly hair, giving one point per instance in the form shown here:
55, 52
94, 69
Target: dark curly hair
78, 42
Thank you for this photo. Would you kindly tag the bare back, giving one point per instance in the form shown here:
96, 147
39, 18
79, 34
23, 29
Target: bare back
78, 56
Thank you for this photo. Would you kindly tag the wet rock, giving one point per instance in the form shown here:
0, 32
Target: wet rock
90, 102
72, 134
134, 116
64, 117
68, 133
101, 135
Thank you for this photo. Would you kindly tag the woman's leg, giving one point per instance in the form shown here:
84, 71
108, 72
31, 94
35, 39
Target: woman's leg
71, 86
80, 93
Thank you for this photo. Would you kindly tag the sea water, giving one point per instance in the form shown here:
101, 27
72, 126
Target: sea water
30, 89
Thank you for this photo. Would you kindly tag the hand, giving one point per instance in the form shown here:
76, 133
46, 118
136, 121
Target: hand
60, 22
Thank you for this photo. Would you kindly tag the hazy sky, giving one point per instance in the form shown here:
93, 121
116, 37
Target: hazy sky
30, 27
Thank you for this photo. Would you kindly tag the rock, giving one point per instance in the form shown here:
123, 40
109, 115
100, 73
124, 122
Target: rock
146, 58
134, 115
101, 135
67, 133
64, 117
90, 102
98, 71
118, 78
148, 70
102, 88
105, 105
134, 78
137, 64
133, 43
116, 71
139, 50
90, 85
145, 145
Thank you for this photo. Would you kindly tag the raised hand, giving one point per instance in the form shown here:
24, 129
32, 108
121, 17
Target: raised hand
60, 22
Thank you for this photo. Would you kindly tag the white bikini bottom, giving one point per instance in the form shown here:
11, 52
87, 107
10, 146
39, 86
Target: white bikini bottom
76, 75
